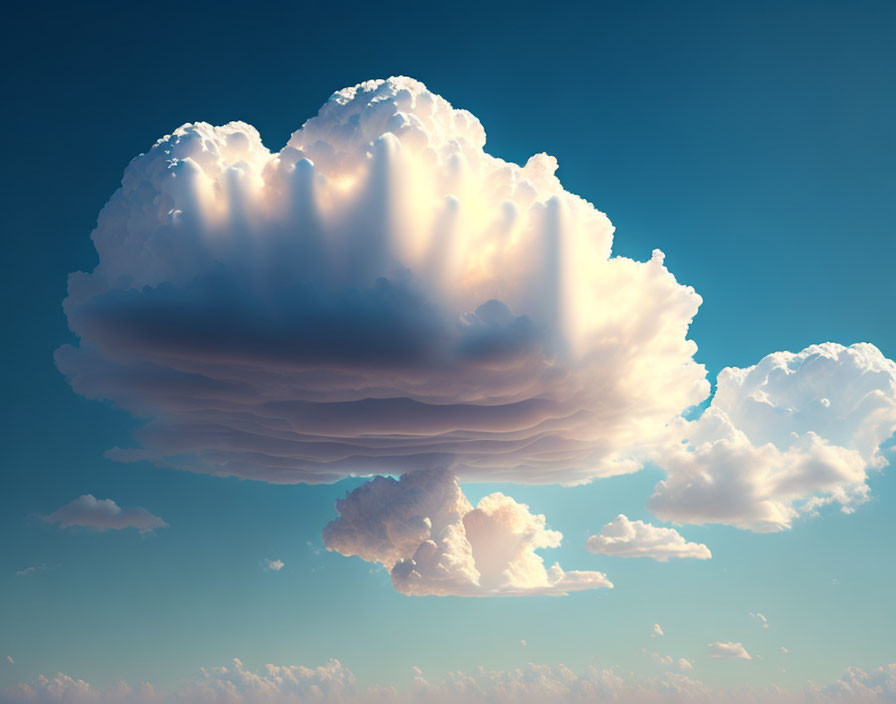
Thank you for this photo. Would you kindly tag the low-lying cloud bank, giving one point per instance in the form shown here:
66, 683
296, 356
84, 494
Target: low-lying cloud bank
433, 541
334, 683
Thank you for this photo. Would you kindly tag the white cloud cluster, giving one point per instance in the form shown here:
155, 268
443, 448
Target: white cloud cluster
273, 565
781, 439
657, 631
333, 683
379, 296
433, 541
727, 650
624, 538
104, 514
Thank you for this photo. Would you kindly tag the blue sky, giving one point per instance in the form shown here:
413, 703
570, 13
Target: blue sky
751, 142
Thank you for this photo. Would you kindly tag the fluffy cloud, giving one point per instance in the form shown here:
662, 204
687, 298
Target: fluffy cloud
104, 514
333, 683
274, 565
656, 631
423, 529
379, 296
781, 439
727, 650
624, 538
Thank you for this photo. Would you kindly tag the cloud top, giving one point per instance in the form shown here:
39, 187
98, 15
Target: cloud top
625, 538
379, 296
104, 514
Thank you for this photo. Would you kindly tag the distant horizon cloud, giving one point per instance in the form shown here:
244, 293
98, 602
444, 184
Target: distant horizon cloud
334, 683
103, 514
622, 537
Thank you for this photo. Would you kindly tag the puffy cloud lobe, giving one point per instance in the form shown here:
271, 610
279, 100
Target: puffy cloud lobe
727, 650
423, 529
624, 538
104, 514
379, 296
781, 439
656, 631
334, 683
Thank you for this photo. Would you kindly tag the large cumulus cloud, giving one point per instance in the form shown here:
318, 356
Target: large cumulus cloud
781, 439
423, 529
379, 296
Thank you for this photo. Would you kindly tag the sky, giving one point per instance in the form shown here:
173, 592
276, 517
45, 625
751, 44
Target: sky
751, 143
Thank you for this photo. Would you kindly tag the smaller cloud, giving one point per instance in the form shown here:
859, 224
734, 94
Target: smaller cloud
104, 514
684, 664
784, 650
30, 570
523, 643
422, 528
657, 631
9, 657
274, 565
660, 659
727, 650
759, 617
624, 538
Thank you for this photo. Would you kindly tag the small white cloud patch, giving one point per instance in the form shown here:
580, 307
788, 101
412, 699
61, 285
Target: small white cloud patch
624, 538
30, 570
727, 650
273, 565
656, 631
760, 618
104, 514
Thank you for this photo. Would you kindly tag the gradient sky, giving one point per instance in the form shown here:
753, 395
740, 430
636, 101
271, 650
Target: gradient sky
752, 142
